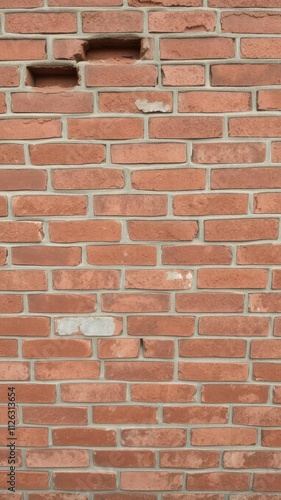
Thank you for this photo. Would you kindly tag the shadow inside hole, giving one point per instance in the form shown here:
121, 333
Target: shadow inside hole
52, 76
114, 49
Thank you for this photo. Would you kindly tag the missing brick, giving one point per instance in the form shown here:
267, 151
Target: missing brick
52, 76
114, 49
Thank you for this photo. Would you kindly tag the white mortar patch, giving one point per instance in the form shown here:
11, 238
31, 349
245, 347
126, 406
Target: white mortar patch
88, 326
151, 107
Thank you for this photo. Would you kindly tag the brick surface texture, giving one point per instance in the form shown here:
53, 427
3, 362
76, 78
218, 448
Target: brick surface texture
140, 250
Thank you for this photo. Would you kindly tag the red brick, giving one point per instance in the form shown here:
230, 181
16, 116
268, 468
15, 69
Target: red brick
276, 279
244, 326
47, 22
271, 437
267, 203
157, 481
165, 393
118, 348
23, 280
259, 254
252, 459
213, 371
148, 153
164, 3
244, 3
219, 436
87, 178
241, 229
189, 459
8, 348
246, 178
46, 256
180, 22
267, 482
16, 370
23, 180
58, 415
30, 436
11, 303
19, 4
232, 278
267, 372
84, 3
63, 102
251, 22
243, 75
260, 48
183, 179
86, 279
11, 154
163, 230
125, 415
84, 481
213, 102
9, 76
153, 437
125, 496
3, 107
178, 326
196, 255
93, 393
56, 348
224, 152
3, 206
269, 100
22, 50
56, 370
138, 370
21, 232
130, 205
195, 414
105, 128
76, 436
210, 204
57, 496
196, 48
124, 458
32, 393
54, 458
182, 76
257, 416
84, 230
235, 393
210, 302
265, 302
51, 205
158, 348
134, 255
214, 348
135, 302
218, 481
134, 102
27, 480
277, 394
66, 154
174, 279
61, 303
268, 126
99, 75
3, 256
276, 152
112, 21
185, 127
30, 128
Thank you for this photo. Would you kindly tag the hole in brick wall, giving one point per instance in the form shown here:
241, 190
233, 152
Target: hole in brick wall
115, 49
52, 76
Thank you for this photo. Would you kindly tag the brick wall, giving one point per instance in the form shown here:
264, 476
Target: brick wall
140, 248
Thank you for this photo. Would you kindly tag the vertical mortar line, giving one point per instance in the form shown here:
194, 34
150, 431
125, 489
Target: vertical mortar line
49, 49
237, 46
